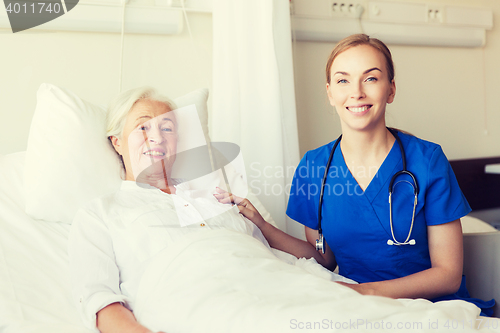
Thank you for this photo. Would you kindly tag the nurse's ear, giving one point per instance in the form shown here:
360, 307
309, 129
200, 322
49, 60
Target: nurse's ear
392, 92
329, 93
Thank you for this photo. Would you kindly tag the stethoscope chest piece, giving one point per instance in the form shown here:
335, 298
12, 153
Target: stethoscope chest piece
320, 244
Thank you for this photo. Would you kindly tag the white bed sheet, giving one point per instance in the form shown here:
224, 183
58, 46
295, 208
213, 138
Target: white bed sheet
35, 294
225, 282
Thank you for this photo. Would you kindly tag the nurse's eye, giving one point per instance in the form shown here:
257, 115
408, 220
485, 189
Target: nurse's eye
142, 128
342, 81
371, 79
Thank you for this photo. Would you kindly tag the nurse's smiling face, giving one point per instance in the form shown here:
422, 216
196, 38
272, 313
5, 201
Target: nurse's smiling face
149, 136
359, 87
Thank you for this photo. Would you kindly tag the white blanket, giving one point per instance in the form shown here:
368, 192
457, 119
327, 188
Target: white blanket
224, 281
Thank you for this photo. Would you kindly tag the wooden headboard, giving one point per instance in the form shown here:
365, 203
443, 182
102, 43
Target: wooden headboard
481, 189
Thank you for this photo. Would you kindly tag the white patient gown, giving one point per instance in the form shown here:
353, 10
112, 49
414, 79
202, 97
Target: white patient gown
114, 237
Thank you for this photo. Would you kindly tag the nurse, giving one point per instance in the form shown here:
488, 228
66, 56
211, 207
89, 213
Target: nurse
356, 223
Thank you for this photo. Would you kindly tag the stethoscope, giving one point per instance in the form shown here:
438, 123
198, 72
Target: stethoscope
320, 242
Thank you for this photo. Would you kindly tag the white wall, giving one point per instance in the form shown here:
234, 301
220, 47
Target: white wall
444, 95
88, 64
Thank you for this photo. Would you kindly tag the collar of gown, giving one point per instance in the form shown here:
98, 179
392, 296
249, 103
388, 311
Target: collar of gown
132, 185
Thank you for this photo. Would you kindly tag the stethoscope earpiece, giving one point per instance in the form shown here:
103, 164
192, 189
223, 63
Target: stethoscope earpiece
411, 242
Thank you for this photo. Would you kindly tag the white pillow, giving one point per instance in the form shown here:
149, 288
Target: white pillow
69, 160
199, 99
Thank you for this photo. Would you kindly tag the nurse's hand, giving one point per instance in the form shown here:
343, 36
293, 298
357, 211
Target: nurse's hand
362, 288
244, 205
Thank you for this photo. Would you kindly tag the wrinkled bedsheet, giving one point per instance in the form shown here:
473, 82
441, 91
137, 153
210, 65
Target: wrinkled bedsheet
223, 281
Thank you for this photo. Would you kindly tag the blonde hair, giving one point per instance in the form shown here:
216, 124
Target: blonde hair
356, 40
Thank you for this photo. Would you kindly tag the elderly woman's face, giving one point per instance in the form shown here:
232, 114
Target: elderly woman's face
149, 136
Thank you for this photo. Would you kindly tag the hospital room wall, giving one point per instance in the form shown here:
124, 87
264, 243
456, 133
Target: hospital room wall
446, 95
450, 96
88, 64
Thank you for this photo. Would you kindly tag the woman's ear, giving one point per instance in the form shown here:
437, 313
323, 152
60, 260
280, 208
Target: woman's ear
328, 92
116, 144
392, 93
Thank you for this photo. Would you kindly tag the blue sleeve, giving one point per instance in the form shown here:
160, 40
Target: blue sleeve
444, 201
304, 195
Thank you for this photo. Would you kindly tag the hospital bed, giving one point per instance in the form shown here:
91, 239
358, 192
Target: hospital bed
35, 294
481, 241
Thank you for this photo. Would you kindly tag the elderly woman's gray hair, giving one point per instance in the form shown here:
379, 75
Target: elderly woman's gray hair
123, 103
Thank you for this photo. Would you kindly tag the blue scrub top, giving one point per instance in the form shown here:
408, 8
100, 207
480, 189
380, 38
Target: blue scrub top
356, 223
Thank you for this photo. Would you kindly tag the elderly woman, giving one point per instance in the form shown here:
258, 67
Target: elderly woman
114, 238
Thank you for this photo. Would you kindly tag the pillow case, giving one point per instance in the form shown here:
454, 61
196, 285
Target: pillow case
69, 160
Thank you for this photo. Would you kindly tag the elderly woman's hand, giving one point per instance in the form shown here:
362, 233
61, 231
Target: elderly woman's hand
115, 318
244, 205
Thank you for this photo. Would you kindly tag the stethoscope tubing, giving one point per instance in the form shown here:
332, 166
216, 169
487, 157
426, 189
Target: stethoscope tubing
320, 243
323, 182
